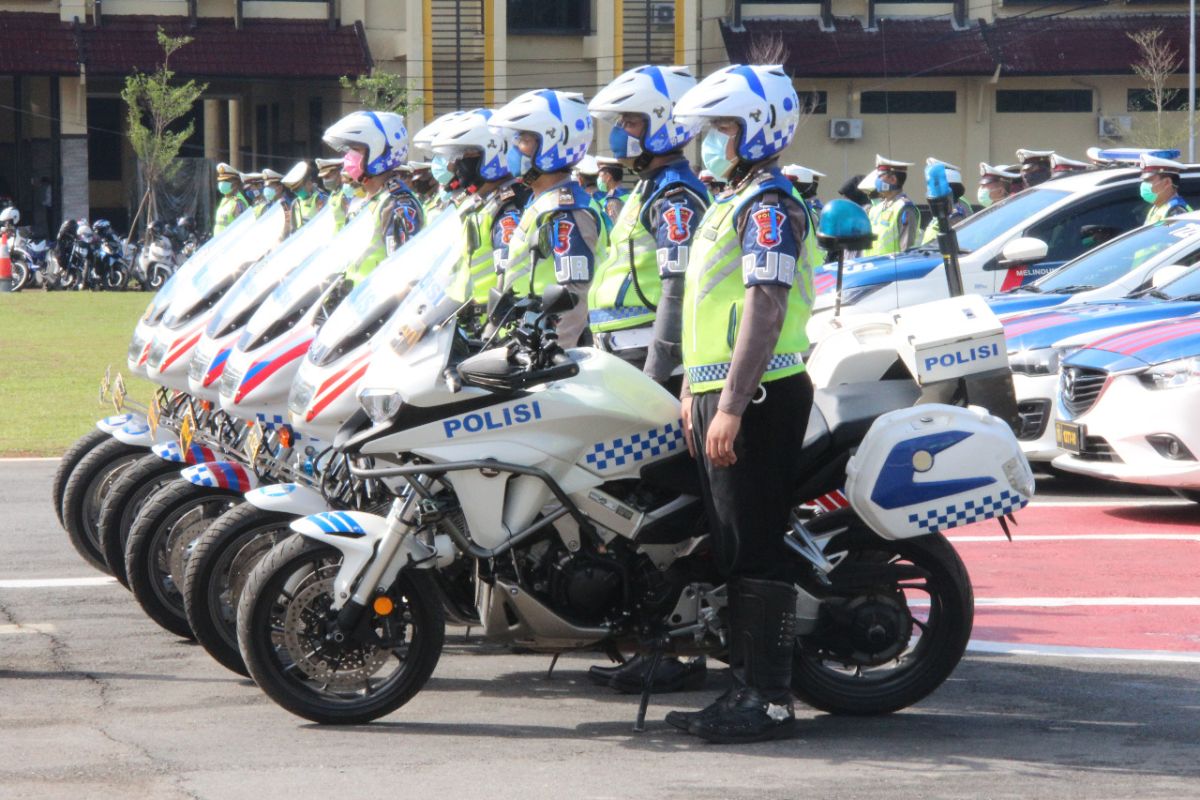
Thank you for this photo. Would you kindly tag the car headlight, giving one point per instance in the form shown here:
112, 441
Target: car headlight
1042, 361
1173, 374
380, 404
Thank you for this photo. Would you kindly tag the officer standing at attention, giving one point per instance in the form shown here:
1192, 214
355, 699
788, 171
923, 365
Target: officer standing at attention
272, 188
995, 184
1160, 188
306, 198
806, 181
1061, 165
1035, 166
895, 221
610, 194
960, 210
233, 201
340, 192
561, 236
252, 186
747, 397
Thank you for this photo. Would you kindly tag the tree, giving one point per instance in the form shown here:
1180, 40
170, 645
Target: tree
1158, 63
381, 91
154, 103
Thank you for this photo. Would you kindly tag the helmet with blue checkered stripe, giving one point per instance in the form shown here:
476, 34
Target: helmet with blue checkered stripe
761, 98
422, 140
652, 93
381, 133
560, 120
471, 132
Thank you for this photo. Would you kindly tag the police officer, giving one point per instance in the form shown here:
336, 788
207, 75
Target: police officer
561, 235
272, 186
960, 210
995, 184
585, 174
610, 194
421, 181
714, 186
747, 398
1061, 165
233, 202
492, 199
895, 221
1160, 188
445, 186
306, 198
806, 182
340, 193
375, 144
252, 186
851, 191
1035, 166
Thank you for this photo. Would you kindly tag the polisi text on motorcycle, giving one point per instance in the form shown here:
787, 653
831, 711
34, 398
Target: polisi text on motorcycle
964, 356
493, 419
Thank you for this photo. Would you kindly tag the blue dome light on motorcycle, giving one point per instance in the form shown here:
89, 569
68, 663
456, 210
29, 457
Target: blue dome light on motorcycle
936, 183
844, 226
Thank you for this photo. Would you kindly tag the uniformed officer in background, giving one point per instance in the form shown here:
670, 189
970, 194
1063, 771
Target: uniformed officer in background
1035, 166
996, 183
807, 182
1061, 165
960, 210
610, 192
306, 198
252, 186
233, 201
747, 398
1160, 188
561, 235
895, 220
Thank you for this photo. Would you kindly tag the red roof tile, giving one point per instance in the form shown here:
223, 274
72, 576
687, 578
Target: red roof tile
36, 44
1078, 45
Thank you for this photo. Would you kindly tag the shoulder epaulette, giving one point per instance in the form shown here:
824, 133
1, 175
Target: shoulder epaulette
566, 198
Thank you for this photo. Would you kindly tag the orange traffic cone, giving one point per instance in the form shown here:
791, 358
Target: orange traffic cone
5, 265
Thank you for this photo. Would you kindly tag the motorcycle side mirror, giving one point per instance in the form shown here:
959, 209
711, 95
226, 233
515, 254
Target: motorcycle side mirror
557, 299
499, 304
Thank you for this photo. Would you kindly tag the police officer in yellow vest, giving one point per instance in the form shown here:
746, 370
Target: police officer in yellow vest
1160, 188
252, 186
445, 188
960, 210
272, 188
636, 301
561, 235
491, 199
895, 221
233, 201
303, 195
747, 397
340, 192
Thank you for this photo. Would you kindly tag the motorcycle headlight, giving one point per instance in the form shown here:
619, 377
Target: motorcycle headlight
158, 351
380, 404
1173, 374
299, 398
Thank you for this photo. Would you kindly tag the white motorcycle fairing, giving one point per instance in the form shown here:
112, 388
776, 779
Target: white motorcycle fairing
221, 475
138, 433
115, 422
288, 498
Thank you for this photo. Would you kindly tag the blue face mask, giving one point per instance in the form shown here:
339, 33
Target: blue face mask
441, 170
623, 145
518, 162
883, 186
269, 193
712, 153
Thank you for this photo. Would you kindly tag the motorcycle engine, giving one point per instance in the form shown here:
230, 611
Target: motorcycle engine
585, 588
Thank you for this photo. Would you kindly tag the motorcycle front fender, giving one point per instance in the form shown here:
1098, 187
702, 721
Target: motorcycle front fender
114, 423
288, 498
221, 475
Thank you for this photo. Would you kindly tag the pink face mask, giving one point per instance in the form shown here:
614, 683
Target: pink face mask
352, 165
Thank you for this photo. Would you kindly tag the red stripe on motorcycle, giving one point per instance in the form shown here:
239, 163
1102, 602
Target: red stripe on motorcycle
179, 350
270, 369
351, 380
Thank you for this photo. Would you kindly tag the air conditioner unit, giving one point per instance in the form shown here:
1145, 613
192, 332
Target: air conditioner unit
1115, 127
662, 13
845, 129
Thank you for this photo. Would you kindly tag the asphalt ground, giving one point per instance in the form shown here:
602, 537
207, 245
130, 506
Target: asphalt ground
1083, 682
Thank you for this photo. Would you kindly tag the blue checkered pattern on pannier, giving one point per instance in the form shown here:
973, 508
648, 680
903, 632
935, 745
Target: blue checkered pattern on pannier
987, 507
610, 314
622, 451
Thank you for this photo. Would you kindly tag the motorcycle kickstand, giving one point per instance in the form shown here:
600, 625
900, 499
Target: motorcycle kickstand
639, 726
553, 663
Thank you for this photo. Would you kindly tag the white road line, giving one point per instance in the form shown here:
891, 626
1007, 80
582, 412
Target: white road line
1131, 502
15, 459
55, 583
1064, 602
1018, 537
44, 627
1064, 651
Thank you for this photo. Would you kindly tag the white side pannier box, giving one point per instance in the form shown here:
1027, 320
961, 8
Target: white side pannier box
934, 467
950, 338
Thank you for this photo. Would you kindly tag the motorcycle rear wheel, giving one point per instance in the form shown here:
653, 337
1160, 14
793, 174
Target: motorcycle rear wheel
166, 528
20, 274
120, 507
832, 671
70, 459
282, 620
89, 482
218, 570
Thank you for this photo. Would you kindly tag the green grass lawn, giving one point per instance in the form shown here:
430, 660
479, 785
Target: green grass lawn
53, 350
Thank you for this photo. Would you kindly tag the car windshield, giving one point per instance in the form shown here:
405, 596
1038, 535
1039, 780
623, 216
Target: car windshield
269, 272
374, 301
979, 229
1112, 260
219, 272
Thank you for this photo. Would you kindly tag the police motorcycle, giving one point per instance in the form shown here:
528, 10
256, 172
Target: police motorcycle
157, 259
166, 332
29, 256
562, 479
111, 257
294, 470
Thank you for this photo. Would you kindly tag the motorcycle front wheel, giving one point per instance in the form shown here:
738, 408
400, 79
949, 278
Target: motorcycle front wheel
116, 278
20, 274
892, 638
70, 459
122, 504
283, 620
158, 276
89, 482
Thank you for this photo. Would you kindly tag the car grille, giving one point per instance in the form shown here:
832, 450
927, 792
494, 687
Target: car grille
1033, 415
1079, 387
1097, 448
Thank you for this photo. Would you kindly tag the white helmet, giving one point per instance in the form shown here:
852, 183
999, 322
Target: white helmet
422, 140
652, 93
10, 216
296, 176
470, 132
561, 122
761, 98
382, 133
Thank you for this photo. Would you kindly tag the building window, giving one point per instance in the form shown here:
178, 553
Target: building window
814, 102
106, 120
1044, 101
1143, 100
549, 16
909, 102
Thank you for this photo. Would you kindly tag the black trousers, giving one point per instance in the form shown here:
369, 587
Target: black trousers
748, 503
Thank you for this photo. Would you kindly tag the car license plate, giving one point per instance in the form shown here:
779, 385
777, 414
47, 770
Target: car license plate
1069, 436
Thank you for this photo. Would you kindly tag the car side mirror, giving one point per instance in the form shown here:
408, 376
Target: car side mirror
1164, 275
1025, 250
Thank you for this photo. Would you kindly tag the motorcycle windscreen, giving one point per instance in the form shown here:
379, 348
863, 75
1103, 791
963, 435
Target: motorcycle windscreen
376, 299
286, 306
203, 289
244, 298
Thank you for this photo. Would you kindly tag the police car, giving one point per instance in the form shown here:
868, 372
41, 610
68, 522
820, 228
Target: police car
1127, 406
1005, 246
1038, 340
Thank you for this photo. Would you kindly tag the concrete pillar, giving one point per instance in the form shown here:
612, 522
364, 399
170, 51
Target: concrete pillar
235, 133
415, 66
74, 146
496, 52
212, 130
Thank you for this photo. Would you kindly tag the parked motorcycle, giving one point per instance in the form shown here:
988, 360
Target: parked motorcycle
166, 247
29, 256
